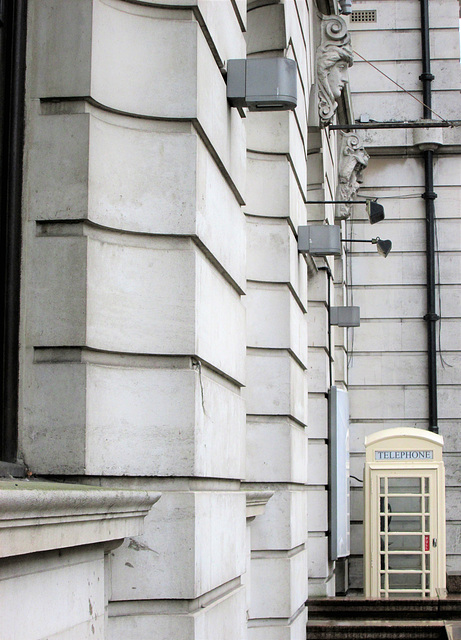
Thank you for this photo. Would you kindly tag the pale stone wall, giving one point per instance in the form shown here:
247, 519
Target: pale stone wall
276, 306
172, 337
134, 270
55, 541
326, 287
70, 580
388, 372
165, 317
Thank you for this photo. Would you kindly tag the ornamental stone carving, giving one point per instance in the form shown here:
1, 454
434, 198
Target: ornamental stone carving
334, 57
353, 159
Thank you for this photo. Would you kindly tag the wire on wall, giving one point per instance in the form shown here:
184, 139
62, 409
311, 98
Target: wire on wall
350, 335
443, 362
403, 89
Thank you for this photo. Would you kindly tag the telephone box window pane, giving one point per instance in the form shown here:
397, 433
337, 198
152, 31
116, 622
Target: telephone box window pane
411, 524
405, 504
405, 581
409, 561
404, 485
405, 543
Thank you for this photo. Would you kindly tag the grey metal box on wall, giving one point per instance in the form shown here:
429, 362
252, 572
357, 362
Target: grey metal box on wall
319, 240
262, 84
345, 316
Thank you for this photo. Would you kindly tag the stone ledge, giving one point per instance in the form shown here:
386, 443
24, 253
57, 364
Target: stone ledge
40, 516
12, 470
256, 503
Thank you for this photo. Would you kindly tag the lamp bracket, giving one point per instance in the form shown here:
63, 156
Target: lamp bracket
340, 201
394, 125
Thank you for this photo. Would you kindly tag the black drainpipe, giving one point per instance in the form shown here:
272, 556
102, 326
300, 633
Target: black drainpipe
327, 269
429, 196
13, 16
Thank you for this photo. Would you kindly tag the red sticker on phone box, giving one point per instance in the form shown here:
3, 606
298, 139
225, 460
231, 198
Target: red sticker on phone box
426, 543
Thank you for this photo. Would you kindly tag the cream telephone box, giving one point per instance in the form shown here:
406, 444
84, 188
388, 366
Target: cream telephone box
404, 490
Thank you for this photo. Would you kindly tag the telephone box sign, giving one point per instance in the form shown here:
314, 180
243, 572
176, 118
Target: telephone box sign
404, 455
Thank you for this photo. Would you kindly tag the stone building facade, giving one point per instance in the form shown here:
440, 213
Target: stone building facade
175, 350
388, 372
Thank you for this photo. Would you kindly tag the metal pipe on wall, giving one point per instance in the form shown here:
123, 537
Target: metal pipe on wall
330, 358
13, 27
429, 196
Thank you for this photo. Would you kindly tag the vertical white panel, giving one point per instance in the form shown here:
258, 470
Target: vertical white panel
339, 474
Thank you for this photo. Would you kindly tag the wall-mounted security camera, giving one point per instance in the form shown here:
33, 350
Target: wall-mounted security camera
262, 84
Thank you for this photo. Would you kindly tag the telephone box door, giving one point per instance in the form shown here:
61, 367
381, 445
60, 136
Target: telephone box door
404, 519
406, 531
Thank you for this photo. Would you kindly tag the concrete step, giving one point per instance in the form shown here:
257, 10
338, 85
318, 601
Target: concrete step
376, 630
359, 607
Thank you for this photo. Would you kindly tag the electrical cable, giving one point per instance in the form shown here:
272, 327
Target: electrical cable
443, 362
350, 298
400, 87
404, 197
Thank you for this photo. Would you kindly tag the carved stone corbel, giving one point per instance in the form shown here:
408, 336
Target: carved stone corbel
353, 159
334, 57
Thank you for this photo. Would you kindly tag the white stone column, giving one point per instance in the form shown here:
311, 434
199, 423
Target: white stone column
276, 301
134, 269
326, 358
321, 577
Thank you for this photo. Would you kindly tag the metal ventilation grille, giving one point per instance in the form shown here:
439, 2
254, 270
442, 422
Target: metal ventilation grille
364, 16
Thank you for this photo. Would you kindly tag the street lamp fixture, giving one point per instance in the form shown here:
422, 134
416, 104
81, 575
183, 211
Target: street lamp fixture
382, 246
375, 211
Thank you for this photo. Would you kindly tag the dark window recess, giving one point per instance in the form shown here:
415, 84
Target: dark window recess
12, 74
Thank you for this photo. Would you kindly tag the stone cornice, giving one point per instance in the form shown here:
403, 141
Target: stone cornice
256, 502
40, 516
